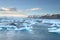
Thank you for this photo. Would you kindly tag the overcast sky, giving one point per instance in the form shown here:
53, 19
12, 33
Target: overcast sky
30, 7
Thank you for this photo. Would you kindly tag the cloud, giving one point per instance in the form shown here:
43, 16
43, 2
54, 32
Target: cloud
14, 11
14, 15
35, 9
7, 9
11, 12
32, 9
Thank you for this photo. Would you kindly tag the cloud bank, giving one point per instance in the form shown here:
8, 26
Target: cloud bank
16, 12
8, 9
14, 9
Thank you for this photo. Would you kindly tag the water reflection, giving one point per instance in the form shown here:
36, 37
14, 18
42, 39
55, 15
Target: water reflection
39, 33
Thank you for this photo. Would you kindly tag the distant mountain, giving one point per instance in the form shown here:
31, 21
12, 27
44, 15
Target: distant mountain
47, 16
53, 16
33, 16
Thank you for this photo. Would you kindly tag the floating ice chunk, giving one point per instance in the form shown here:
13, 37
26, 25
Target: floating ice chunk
54, 29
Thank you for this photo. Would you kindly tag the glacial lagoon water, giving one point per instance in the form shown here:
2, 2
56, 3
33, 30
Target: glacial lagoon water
39, 32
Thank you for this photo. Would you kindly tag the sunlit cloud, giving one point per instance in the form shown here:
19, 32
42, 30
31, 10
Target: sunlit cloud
32, 9
35, 9
7, 9
11, 12
14, 15
14, 9
15, 12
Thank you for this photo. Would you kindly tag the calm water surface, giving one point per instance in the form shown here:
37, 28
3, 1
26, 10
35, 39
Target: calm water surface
39, 32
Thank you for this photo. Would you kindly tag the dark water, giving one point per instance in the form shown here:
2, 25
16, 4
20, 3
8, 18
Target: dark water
39, 32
